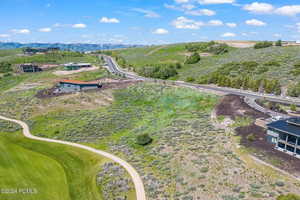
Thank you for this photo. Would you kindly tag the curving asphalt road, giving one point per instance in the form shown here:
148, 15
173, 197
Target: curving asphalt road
114, 68
138, 183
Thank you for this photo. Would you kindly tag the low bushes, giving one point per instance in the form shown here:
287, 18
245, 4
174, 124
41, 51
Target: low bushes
289, 197
143, 139
294, 90
211, 47
162, 71
193, 59
264, 44
5, 67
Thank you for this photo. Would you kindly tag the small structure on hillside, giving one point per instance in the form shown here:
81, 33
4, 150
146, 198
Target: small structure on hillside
29, 68
69, 86
76, 66
32, 51
285, 134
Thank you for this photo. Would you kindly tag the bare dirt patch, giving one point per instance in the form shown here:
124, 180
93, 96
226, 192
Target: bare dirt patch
63, 73
233, 106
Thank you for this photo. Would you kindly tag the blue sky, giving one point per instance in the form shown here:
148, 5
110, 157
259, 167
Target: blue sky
148, 21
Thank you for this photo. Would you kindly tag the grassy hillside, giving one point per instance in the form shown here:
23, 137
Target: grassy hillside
53, 171
49, 171
278, 62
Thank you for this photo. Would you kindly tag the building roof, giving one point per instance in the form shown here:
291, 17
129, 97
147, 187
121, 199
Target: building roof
75, 82
286, 126
76, 64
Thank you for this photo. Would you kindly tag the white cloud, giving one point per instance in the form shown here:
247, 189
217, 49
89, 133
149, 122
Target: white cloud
231, 25
45, 30
109, 20
185, 23
228, 35
261, 8
188, 6
277, 35
148, 13
215, 23
78, 26
161, 31
216, 1
255, 22
4, 35
20, 31
201, 12
291, 10
181, 1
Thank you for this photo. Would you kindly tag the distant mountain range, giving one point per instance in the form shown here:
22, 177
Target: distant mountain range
72, 47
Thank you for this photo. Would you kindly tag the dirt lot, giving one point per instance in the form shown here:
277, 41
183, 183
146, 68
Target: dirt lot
63, 73
233, 106
106, 84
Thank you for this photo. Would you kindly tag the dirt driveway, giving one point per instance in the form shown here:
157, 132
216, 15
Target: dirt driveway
63, 73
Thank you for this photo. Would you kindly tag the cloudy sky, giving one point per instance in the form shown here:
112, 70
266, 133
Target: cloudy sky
148, 21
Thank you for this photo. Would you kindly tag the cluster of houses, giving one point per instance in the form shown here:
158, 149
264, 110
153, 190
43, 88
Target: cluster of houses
285, 135
30, 67
32, 51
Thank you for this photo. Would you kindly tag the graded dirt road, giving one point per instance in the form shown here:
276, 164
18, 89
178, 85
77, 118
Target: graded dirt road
138, 183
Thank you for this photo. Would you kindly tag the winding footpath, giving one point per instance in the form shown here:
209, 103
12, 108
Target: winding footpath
138, 183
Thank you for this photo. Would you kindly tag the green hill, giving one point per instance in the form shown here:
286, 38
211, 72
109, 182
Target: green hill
273, 63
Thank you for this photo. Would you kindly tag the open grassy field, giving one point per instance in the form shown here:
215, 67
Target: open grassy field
38, 170
286, 57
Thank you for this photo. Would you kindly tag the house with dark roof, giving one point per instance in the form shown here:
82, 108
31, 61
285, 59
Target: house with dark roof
76, 66
69, 86
285, 135
29, 67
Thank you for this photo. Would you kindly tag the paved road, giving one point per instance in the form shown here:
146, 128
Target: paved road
252, 103
138, 183
113, 67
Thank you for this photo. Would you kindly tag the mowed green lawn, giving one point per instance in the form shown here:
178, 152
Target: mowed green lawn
51, 171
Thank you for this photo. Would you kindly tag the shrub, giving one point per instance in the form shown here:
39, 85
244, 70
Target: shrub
251, 137
190, 79
278, 43
143, 139
279, 183
264, 44
293, 107
5, 67
163, 71
288, 197
193, 59
204, 170
294, 90
218, 49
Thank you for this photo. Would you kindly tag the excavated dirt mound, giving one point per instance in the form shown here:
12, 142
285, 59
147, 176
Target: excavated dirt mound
234, 106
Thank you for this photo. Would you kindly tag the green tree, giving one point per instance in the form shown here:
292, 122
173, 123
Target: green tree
143, 139
278, 43
264, 44
293, 107
5, 67
193, 59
